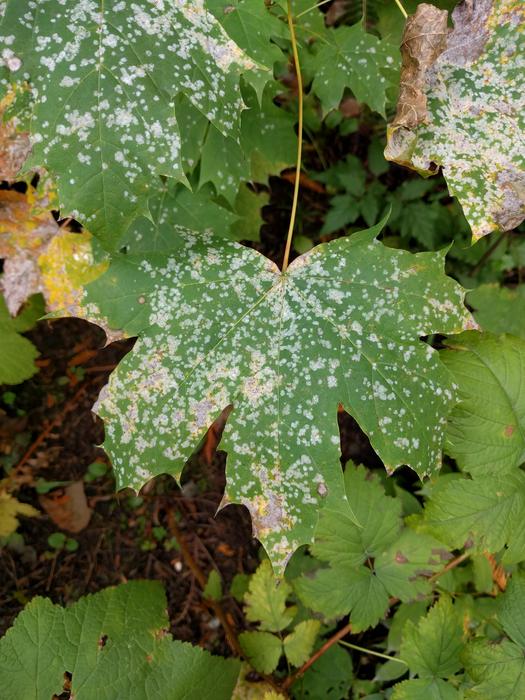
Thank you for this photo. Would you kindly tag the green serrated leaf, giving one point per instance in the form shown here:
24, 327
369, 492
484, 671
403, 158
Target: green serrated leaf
17, 354
266, 600
432, 647
330, 677
425, 689
262, 649
373, 522
486, 511
104, 81
499, 309
115, 644
486, 431
350, 314
351, 57
298, 644
498, 670
511, 612
213, 587
474, 122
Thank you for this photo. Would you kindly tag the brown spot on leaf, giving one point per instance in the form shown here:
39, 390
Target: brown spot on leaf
509, 430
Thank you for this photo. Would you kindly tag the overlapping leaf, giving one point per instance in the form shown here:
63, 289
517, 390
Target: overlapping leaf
485, 512
497, 670
219, 324
474, 120
371, 556
104, 79
17, 354
114, 644
432, 650
351, 57
486, 431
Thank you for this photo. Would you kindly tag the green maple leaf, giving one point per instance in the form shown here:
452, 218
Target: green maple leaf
267, 145
115, 644
352, 58
104, 82
219, 324
486, 431
173, 208
475, 117
252, 24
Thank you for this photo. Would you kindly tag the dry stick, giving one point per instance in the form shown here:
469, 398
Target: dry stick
451, 565
329, 643
197, 572
201, 578
45, 433
486, 255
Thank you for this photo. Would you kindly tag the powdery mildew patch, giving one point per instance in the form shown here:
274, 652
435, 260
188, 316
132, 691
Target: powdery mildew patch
219, 324
476, 107
104, 75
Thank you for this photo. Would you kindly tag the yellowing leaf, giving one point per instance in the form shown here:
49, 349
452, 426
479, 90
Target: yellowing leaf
10, 509
39, 255
65, 267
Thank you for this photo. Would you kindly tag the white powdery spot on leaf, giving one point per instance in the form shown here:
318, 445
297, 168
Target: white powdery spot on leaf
476, 105
219, 325
106, 75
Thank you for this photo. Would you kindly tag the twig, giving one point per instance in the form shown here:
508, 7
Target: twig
197, 572
451, 565
47, 430
288, 682
486, 255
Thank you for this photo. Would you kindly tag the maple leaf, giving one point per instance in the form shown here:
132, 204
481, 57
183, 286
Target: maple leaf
219, 324
464, 109
104, 79
39, 256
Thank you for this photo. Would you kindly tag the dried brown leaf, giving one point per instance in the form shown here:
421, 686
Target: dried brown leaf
424, 39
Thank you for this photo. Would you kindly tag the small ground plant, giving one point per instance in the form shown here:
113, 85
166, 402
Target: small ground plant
240, 194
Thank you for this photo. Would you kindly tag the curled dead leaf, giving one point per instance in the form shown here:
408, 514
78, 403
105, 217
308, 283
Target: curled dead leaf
424, 39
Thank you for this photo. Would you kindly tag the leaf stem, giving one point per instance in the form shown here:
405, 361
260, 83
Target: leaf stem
299, 138
451, 565
372, 652
309, 9
402, 9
